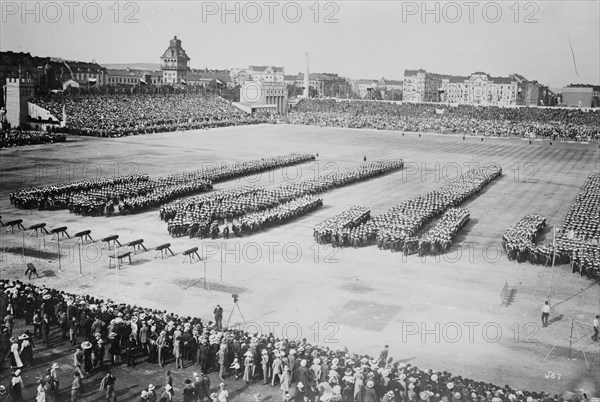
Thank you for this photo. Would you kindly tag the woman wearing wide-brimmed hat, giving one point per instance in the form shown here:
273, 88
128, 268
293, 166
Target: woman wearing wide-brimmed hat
248, 363
26, 350
286, 379
16, 386
15, 356
41, 392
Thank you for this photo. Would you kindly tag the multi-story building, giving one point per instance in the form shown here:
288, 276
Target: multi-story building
531, 93
40, 70
479, 89
389, 85
263, 96
266, 73
83, 73
581, 95
326, 84
257, 74
174, 63
362, 88
48, 72
378, 89
132, 77
421, 86
208, 77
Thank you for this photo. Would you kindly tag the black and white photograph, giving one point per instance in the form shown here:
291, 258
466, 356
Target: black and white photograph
300, 201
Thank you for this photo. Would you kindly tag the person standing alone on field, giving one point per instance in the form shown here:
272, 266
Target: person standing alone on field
545, 313
596, 324
219, 316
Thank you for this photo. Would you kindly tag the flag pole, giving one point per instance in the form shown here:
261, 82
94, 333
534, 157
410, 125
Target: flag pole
553, 258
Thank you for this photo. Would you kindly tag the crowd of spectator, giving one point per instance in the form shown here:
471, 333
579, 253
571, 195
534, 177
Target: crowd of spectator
106, 334
495, 121
126, 114
18, 138
197, 216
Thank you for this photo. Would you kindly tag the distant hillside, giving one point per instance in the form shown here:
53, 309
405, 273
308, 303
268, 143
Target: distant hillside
133, 66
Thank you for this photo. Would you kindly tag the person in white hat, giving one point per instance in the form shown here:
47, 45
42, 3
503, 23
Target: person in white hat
161, 344
325, 390
55, 378
78, 361
286, 379
15, 356
276, 369
151, 392
264, 363
167, 394
76, 387
223, 394
248, 365
108, 386
370, 394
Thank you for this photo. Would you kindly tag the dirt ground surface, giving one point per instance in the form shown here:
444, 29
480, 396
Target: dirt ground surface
442, 312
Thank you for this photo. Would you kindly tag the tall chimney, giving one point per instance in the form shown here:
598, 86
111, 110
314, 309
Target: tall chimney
305, 94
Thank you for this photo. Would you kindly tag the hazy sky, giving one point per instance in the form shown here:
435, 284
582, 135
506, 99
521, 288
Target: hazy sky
358, 39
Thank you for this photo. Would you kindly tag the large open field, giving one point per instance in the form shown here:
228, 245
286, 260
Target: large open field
359, 298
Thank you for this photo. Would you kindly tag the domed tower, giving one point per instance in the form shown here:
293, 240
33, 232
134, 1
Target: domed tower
174, 62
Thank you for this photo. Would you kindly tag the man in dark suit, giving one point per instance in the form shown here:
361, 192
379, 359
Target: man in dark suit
45, 328
383, 356
130, 345
202, 354
219, 316
144, 331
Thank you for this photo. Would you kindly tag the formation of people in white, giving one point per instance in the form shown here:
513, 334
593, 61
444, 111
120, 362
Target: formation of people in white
138, 192
17, 138
197, 216
339, 227
396, 229
577, 241
518, 241
574, 124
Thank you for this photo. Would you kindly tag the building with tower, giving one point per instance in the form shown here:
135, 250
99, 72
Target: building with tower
174, 63
17, 92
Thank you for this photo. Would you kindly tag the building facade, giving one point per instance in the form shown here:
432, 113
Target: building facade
362, 88
17, 92
47, 73
326, 84
266, 73
85, 74
421, 86
239, 76
174, 63
207, 78
265, 93
581, 95
378, 89
132, 77
532, 93
479, 89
